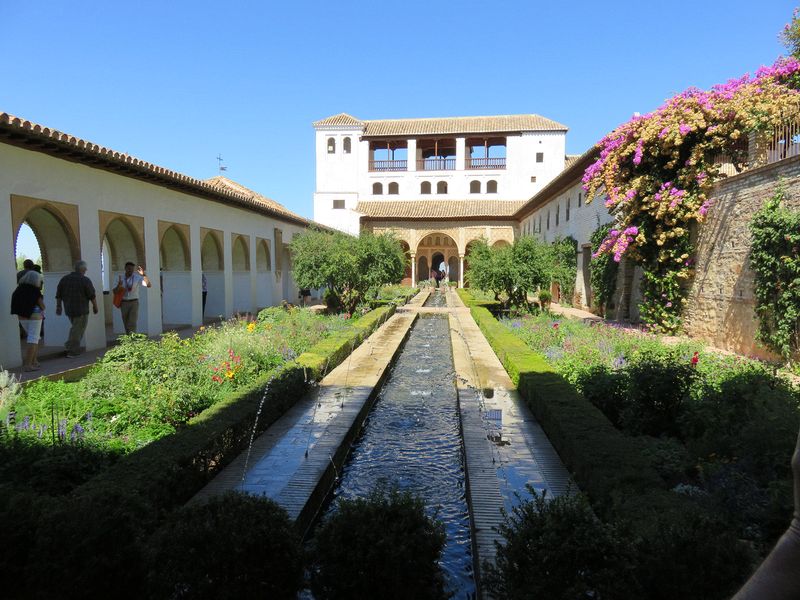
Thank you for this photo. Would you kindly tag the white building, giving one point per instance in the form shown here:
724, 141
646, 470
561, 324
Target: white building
499, 158
84, 201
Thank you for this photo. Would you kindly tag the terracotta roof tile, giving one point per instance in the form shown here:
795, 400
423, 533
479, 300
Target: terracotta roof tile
461, 125
438, 209
444, 126
338, 120
38, 138
228, 184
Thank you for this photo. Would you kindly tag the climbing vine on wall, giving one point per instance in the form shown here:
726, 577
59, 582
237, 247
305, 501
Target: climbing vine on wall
775, 259
603, 272
657, 170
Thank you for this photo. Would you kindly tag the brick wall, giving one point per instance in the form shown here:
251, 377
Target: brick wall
720, 308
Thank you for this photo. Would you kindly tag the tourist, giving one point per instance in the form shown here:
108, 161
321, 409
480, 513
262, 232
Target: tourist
28, 304
134, 278
75, 291
27, 265
204, 284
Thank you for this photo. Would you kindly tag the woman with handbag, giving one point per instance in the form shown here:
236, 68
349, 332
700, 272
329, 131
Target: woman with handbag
27, 303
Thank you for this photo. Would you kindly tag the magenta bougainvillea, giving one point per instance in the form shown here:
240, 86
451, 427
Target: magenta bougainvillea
657, 170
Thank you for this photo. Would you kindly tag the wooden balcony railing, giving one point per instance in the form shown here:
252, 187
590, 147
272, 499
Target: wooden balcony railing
486, 163
436, 164
388, 165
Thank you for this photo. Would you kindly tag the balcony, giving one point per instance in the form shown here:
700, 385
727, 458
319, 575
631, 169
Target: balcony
388, 165
436, 164
486, 163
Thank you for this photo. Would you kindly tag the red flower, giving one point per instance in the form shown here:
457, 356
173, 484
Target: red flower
695, 360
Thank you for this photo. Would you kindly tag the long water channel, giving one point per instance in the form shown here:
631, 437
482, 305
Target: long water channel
412, 439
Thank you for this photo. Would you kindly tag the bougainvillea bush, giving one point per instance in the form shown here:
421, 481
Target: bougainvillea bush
144, 389
718, 427
657, 170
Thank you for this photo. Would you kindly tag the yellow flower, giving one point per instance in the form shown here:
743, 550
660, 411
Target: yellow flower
229, 374
251, 327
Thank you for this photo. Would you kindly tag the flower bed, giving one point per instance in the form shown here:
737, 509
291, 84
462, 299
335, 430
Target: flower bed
93, 528
686, 533
717, 427
142, 390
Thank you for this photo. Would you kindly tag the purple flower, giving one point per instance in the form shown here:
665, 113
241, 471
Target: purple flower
62, 429
619, 362
25, 425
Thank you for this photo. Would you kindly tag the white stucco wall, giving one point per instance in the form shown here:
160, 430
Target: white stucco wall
347, 177
582, 222
43, 177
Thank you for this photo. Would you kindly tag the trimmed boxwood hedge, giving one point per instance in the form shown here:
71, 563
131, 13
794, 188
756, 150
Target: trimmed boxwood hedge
685, 551
607, 465
94, 537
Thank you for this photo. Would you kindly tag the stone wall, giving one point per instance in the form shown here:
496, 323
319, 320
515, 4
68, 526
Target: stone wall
720, 308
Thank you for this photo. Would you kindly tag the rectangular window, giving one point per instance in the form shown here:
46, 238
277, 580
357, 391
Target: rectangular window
580, 198
533, 179
540, 223
539, 157
338, 204
548, 220
558, 213
569, 201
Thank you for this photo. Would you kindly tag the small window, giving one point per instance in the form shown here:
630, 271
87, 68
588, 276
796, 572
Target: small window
533, 178
548, 219
569, 202
540, 223
331, 146
338, 204
394, 187
425, 187
475, 187
580, 198
441, 187
346, 145
539, 157
377, 189
491, 187
558, 213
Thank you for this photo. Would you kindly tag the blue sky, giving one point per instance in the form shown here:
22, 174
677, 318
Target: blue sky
178, 82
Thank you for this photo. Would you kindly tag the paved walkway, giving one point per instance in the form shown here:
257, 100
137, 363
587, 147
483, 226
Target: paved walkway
297, 460
505, 446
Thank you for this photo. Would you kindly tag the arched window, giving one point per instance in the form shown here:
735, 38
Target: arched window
394, 188
346, 145
331, 145
491, 187
475, 187
441, 187
425, 187
377, 189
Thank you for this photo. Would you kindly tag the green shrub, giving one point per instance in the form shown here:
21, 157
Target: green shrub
658, 390
558, 549
669, 458
606, 389
233, 546
90, 547
382, 546
689, 554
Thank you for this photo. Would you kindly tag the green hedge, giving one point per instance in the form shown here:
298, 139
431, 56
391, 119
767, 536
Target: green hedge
169, 471
608, 465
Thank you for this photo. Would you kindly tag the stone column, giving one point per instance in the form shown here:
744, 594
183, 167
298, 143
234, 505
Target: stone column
253, 275
413, 270
461, 270
152, 258
195, 256
227, 261
412, 155
461, 153
10, 355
